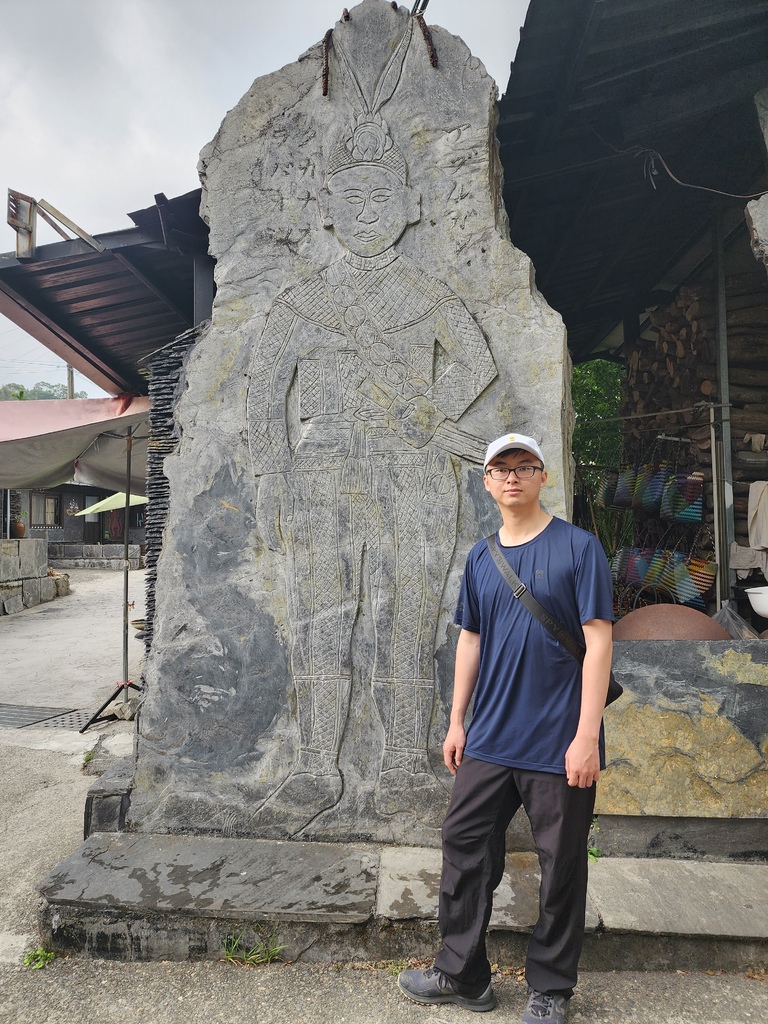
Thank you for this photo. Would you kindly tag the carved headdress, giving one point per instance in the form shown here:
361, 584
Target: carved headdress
368, 140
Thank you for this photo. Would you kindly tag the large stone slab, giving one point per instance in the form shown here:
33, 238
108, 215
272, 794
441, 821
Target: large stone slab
668, 897
33, 557
409, 888
215, 877
30, 590
180, 897
373, 329
690, 735
13, 604
10, 568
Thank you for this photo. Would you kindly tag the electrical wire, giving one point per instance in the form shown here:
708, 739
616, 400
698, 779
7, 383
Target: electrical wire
650, 170
699, 407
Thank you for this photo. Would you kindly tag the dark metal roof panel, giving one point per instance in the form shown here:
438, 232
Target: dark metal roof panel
104, 311
594, 88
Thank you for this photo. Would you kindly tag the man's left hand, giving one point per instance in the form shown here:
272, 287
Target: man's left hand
582, 763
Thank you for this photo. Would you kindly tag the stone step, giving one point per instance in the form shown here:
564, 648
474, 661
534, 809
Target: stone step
137, 896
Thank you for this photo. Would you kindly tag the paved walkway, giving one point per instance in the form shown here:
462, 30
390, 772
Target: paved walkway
69, 654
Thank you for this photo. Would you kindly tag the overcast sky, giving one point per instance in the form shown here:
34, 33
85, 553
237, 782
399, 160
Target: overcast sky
106, 102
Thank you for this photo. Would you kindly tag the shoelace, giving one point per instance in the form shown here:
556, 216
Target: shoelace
541, 1004
433, 972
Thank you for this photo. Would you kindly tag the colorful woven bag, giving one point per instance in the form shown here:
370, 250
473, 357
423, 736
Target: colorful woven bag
625, 487
683, 498
607, 488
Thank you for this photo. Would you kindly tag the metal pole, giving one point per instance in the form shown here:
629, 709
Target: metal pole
716, 506
725, 467
125, 684
126, 539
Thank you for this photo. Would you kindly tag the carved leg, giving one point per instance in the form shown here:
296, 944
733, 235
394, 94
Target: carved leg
406, 780
323, 604
323, 705
315, 783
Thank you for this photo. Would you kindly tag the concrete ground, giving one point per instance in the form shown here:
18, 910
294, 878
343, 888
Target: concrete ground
68, 654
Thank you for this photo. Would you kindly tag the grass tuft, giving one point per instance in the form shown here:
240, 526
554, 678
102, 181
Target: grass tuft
266, 948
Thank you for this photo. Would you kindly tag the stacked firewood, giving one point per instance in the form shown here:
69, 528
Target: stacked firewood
671, 372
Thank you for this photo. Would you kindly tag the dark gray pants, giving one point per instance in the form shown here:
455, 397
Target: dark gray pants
485, 798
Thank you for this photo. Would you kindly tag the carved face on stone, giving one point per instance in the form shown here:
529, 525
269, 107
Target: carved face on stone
369, 208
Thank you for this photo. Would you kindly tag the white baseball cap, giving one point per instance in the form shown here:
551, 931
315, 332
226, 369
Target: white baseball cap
509, 441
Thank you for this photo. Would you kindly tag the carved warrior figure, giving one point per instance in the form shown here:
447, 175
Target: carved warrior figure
356, 386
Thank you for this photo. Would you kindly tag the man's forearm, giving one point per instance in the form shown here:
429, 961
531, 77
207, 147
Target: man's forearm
595, 674
465, 674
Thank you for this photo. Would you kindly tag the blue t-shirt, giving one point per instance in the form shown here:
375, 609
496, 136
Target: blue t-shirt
527, 699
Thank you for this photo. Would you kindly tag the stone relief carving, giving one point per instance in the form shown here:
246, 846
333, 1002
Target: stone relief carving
357, 385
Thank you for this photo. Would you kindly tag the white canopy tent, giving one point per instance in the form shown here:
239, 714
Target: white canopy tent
100, 442
83, 441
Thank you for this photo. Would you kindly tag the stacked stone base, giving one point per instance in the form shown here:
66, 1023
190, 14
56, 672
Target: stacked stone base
162, 897
24, 578
93, 556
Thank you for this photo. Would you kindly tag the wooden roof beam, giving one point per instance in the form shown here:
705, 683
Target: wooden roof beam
59, 341
708, 97
151, 286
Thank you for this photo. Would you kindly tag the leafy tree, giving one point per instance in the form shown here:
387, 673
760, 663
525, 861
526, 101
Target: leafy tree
41, 390
597, 397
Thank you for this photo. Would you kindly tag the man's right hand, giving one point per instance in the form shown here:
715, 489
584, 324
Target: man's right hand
453, 748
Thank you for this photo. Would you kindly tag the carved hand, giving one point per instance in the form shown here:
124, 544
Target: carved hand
417, 421
274, 505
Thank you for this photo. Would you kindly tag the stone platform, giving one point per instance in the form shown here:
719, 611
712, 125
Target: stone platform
93, 556
163, 897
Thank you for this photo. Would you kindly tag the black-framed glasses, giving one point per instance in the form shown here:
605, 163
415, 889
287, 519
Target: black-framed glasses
501, 473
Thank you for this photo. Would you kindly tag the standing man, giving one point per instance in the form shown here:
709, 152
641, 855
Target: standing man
535, 739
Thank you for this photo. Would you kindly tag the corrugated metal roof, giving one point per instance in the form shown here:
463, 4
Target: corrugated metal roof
103, 311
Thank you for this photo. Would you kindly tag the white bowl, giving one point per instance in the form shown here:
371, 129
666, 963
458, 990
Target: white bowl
758, 598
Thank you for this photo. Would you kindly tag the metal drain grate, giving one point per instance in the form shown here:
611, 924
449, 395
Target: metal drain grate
71, 720
18, 716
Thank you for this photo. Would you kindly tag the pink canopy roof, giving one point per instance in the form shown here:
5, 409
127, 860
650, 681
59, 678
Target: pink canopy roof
46, 443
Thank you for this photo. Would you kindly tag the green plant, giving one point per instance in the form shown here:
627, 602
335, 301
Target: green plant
597, 391
38, 958
265, 949
613, 527
593, 850
88, 757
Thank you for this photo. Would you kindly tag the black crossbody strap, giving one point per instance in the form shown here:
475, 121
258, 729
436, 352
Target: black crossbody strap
523, 594
549, 622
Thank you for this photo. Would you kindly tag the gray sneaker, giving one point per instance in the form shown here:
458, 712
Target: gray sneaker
544, 1009
432, 986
